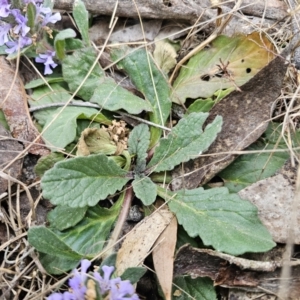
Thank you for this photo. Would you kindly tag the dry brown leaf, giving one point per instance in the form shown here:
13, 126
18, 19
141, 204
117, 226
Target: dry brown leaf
163, 258
14, 106
140, 240
252, 108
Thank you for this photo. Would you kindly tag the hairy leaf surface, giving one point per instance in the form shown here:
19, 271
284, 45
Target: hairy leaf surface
222, 220
187, 140
83, 181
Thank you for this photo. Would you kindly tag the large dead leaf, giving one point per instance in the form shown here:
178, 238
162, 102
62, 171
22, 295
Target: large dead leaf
13, 102
245, 117
228, 62
163, 258
139, 241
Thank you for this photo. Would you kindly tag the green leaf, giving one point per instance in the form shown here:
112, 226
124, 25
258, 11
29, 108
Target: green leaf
81, 17
3, 121
144, 189
63, 216
45, 241
108, 261
138, 144
31, 15
75, 67
183, 238
250, 168
201, 105
198, 288
186, 141
89, 236
47, 162
41, 82
44, 96
112, 96
83, 181
149, 80
62, 125
133, 274
74, 44
59, 42
57, 265
222, 220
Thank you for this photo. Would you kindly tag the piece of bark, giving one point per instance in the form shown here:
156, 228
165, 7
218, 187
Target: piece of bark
13, 102
271, 9
246, 114
235, 272
172, 9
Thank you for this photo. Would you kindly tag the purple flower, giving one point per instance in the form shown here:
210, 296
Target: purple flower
21, 22
14, 46
47, 60
112, 289
4, 30
4, 8
50, 18
64, 296
77, 282
42, 10
104, 282
122, 290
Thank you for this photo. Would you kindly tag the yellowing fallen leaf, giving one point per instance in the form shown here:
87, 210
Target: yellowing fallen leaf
228, 62
165, 55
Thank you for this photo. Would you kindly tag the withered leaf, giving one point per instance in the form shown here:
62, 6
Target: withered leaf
245, 117
13, 102
138, 242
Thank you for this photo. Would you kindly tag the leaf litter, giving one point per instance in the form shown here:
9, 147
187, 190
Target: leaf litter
77, 243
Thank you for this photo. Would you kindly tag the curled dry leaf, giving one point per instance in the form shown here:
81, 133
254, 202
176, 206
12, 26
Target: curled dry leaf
140, 240
245, 118
13, 102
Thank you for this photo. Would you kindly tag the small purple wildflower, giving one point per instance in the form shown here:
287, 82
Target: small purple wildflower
104, 282
112, 289
47, 60
14, 46
4, 8
42, 10
4, 30
77, 282
51, 18
21, 27
122, 290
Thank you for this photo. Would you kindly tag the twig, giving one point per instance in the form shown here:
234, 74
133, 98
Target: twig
93, 105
